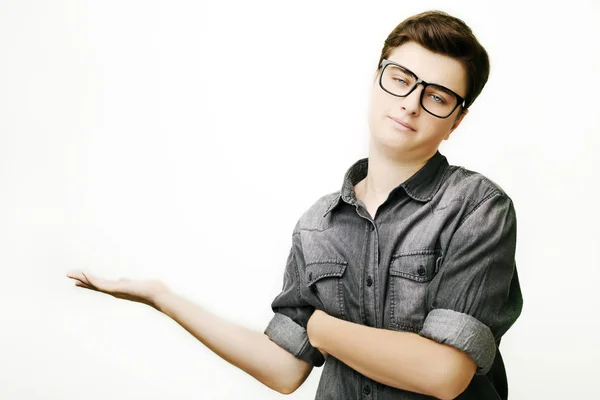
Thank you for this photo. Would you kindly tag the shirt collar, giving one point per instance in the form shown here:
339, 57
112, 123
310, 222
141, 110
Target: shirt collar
421, 186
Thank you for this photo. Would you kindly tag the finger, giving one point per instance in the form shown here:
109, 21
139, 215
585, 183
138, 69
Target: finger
79, 283
77, 279
98, 283
106, 285
83, 285
74, 275
80, 276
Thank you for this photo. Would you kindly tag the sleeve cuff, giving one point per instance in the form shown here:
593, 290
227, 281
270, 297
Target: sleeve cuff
293, 338
463, 332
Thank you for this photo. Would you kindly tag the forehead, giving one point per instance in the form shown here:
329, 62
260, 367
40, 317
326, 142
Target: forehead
431, 67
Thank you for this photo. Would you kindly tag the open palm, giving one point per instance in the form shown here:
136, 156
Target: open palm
141, 291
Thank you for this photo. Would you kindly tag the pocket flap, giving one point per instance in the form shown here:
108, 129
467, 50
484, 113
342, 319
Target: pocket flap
419, 266
317, 271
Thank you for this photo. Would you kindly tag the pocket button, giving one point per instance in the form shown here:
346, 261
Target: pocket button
421, 271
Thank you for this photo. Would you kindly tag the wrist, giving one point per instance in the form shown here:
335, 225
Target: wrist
316, 328
160, 298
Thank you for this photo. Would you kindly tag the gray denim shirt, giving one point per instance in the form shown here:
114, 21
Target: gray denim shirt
437, 259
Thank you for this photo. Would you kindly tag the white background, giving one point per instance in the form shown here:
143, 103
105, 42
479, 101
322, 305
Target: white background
182, 141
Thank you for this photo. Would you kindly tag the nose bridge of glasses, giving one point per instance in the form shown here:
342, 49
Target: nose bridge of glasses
422, 82
414, 89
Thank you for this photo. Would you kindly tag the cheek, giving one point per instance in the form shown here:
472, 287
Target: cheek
379, 106
444, 125
435, 126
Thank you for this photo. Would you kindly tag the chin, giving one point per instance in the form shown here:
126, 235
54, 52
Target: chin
392, 141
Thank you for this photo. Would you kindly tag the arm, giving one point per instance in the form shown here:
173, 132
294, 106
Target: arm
404, 360
281, 357
472, 301
251, 351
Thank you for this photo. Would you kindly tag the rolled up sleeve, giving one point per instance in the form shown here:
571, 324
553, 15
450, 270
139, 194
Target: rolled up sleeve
475, 296
287, 328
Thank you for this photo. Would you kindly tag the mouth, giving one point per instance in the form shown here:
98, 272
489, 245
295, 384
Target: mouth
402, 126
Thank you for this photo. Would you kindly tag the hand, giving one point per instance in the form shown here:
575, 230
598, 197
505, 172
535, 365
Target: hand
312, 327
145, 292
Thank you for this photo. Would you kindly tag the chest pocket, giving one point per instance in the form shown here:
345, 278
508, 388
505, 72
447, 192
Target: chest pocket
324, 279
409, 277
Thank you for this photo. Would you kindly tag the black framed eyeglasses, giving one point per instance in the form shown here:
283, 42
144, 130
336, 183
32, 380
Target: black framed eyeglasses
399, 81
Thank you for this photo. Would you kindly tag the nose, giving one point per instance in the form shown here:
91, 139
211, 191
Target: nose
412, 103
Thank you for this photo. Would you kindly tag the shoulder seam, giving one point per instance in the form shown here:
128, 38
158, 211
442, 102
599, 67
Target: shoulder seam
489, 182
486, 198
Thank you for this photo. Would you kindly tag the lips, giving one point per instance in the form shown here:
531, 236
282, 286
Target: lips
403, 124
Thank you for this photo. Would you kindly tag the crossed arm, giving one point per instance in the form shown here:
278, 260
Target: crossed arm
403, 360
473, 300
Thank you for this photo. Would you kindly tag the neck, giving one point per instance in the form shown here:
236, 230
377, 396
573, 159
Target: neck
386, 171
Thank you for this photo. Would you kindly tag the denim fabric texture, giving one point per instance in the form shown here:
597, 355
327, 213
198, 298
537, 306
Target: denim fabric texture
437, 259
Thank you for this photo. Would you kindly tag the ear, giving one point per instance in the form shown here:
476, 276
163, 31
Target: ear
457, 122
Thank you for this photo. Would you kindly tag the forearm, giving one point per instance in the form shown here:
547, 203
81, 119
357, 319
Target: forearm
249, 350
403, 360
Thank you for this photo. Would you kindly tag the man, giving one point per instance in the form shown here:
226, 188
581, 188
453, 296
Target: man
402, 282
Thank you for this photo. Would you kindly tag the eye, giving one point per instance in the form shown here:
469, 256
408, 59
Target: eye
437, 99
400, 81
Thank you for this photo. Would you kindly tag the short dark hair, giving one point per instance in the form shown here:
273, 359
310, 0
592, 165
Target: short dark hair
444, 34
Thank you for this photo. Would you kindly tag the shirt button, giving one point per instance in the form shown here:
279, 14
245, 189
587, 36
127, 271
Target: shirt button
366, 389
421, 270
369, 280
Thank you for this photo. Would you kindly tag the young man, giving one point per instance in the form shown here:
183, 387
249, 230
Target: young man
410, 265
403, 282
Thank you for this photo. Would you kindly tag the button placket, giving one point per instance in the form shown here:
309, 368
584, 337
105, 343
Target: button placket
368, 277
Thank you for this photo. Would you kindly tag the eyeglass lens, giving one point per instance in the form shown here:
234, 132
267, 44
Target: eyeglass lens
436, 99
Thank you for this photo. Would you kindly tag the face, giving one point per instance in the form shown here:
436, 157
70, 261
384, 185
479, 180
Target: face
428, 131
